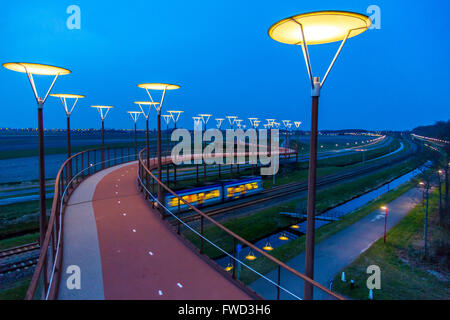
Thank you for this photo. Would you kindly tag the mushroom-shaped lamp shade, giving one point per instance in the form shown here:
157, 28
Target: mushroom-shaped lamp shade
158, 86
36, 68
319, 27
67, 95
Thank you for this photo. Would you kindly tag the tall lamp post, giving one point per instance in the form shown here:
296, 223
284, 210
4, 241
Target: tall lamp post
205, 119
68, 109
175, 117
167, 118
297, 126
135, 116
146, 107
39, 69
103, 112
231, 120
159, 87
197, 121
385, 209
309, 29
219, 122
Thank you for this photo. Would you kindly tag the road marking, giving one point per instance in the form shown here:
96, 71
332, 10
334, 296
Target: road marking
150, 253
134, 230
117, 193
124, 214
117, 185
160, 292
179, 284
118, 201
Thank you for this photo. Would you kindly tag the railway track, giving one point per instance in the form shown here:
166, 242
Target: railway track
19, 258
296, 187
19, 250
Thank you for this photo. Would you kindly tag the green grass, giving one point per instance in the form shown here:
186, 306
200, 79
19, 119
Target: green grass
18, 217
398, 259
18, 241
17, 292
268, 221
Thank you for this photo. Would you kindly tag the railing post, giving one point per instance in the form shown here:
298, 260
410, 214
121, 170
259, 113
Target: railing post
82, 164
279, 282
201, 232
234, 260
179, 217
89, 164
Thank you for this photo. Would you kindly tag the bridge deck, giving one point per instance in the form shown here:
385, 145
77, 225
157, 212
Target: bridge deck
125, 251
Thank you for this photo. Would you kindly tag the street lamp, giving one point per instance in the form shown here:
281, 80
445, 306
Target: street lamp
68, 109
103, 112
197, 121
175, 117
39, 69
160, 87
135, 116
148, 107
297, 126
316, 28
167, 118
218, 125
231, 120
205, 119
385, 208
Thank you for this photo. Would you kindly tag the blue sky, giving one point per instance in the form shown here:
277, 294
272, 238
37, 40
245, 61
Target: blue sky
226, 64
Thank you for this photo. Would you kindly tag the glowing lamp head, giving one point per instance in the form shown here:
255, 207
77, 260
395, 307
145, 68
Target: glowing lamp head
383, 208
295, 226
36, 68
283, 237
158, 86
250, 256
268, 247
319, 27
229, 267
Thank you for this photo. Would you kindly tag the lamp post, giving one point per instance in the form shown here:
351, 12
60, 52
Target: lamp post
255, 123
239, 125
146, 107
167, 118
68, 109
160, 87
175, 117
135, 116
231, 120
287, 124
103, 112
218, 125
385, 208
39, 69
197, 121
205, 119
297, 126
309, 29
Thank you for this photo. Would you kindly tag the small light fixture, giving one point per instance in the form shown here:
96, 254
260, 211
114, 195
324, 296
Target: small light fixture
295, 226
250, 256
283, 237
229, 267
268, 247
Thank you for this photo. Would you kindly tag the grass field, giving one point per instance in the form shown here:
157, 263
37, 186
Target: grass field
404, 273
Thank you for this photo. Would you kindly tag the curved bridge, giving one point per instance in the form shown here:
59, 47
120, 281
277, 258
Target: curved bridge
116, 239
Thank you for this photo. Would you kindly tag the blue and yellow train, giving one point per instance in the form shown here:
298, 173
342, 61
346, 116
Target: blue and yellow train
218, 193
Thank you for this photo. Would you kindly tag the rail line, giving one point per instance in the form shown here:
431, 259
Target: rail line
19, 249
295, 187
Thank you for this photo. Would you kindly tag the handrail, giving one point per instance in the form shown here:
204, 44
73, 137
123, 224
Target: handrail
280, 264
65, 182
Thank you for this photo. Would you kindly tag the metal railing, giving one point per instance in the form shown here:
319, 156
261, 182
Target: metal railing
149, 184
45, 280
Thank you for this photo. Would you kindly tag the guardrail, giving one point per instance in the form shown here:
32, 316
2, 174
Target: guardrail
149, 185
45, 281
